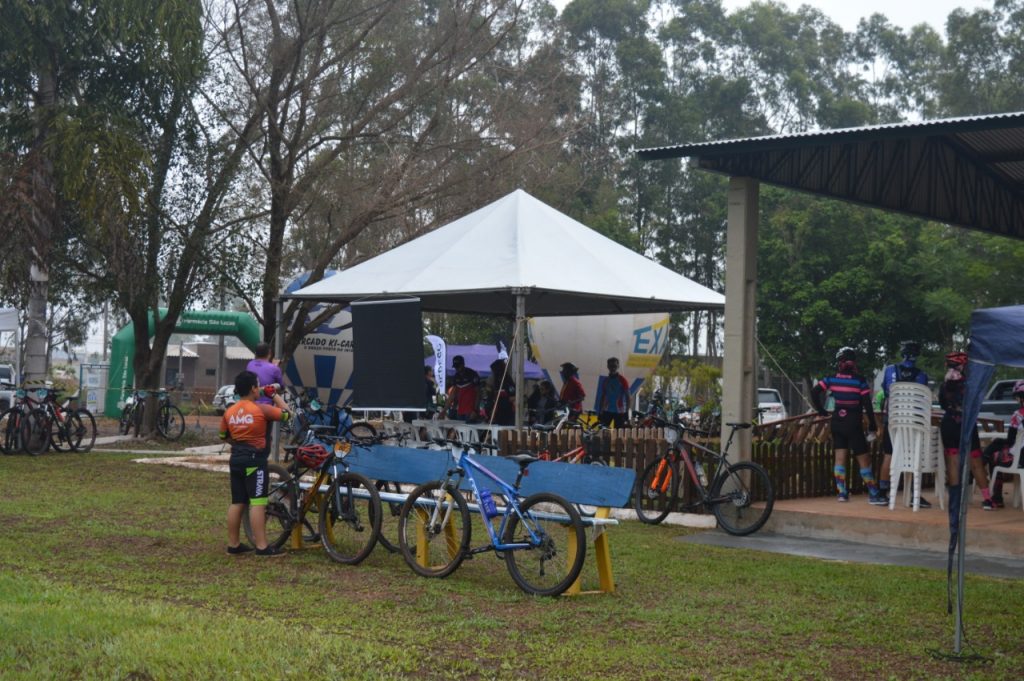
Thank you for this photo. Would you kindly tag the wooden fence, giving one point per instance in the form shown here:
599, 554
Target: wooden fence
796, 452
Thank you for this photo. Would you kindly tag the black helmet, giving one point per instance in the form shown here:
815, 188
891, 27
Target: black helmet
910, 350
846, 353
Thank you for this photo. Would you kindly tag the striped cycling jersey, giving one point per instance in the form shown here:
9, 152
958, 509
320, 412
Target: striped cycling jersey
847, 390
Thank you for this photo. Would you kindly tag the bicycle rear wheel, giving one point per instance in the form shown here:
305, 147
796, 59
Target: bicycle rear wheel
282, 507
434, 530
82, 430
361, 432
10, 431
656, 491
170, 422
124, 426
390, 512
350, 519
552, 563
733, 494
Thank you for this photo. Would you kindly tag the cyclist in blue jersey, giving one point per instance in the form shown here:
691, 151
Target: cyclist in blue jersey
613, 398
905, 371
852, 396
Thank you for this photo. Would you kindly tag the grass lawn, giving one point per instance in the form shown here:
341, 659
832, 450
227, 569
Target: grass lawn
110, 569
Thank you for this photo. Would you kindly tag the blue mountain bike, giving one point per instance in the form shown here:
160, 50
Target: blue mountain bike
540, 537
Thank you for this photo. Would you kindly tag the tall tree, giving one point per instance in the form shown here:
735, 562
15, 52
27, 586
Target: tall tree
383, 119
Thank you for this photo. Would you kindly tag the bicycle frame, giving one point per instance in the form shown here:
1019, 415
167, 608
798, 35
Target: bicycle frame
466, 466
720, 459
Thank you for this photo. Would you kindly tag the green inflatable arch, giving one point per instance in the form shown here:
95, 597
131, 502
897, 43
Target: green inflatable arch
121, 375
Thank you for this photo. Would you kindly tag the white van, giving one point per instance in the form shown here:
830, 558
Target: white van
770, 402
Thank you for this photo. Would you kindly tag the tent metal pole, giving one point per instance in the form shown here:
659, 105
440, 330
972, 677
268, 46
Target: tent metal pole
519, 355
275, 438
961, 552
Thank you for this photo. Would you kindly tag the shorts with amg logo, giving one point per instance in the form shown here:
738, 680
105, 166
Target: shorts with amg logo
249, 479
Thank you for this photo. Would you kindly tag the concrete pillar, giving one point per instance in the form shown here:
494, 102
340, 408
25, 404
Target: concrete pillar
739, 375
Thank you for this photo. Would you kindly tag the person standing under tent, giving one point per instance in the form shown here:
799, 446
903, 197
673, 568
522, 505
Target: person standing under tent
465, 393
542, 403
906, 372
501, 409
852, 396
572, 394
951, 399
613, 398
265, 369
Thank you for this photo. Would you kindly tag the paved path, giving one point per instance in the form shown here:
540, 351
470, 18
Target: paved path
855, 552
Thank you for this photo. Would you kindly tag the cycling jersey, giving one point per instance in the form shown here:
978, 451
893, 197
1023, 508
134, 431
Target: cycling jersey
466, 393
613, 394
573, 394
245, 423
851, 392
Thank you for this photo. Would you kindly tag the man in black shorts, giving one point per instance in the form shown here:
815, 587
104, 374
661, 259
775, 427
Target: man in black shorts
244, 425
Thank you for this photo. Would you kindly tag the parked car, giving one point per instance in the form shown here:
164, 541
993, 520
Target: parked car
224, 398
769, 401
7, 382
1000, 403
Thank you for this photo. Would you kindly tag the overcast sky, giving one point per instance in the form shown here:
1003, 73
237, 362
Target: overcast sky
847, 13
905, 13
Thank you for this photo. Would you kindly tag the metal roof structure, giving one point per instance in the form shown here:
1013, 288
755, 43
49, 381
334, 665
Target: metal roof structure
967, 172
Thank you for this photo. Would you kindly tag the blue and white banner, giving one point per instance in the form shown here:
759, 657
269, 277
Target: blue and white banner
439, 362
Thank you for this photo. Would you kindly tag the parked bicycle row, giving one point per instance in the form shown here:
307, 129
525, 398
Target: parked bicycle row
40, 419
315, 490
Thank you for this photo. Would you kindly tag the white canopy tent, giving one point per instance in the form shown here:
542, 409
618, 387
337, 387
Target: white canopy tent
9, 322
517, 257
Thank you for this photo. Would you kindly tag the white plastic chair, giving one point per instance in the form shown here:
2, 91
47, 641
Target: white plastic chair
1013, 468
914, 443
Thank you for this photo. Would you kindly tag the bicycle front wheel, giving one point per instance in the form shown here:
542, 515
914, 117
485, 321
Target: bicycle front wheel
552, 528
282, 507
350, 519
170, 422
656, 491
124, 426
35, 432
733, 494
82, 430
434, 529
60, 434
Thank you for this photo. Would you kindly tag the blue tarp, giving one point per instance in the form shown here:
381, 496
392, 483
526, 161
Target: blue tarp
996, 338
479, 357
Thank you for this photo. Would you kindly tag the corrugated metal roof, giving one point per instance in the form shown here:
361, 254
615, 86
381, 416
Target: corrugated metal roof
989, 124
965, 171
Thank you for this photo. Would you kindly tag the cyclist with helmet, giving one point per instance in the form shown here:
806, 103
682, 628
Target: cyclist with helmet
951, 399
244, 426
852, 396
998, 453
572, 394
907, 372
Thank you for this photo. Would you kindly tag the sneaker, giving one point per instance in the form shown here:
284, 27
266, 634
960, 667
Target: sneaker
997, 501
878, 500
241, 548
986, 505
271, 551
924, 503
843, 497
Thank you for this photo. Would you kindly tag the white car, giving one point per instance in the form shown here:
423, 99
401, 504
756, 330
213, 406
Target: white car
224, 398
769, 402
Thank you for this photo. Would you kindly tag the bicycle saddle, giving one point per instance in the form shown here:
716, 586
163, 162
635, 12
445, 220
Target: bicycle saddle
524, 459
